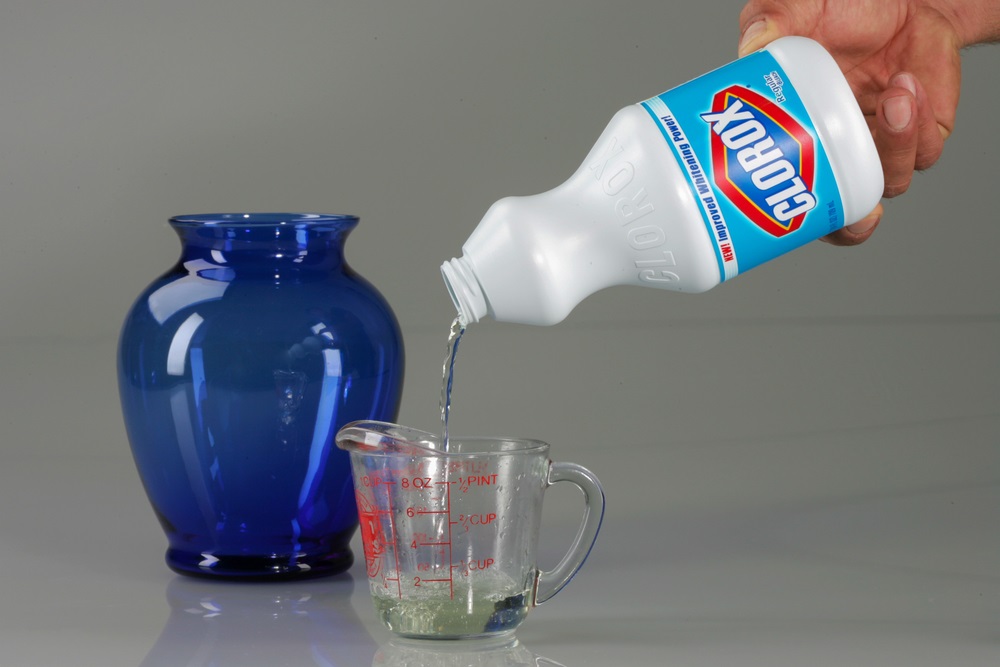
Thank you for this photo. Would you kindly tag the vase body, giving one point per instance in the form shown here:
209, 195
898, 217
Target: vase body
236, 368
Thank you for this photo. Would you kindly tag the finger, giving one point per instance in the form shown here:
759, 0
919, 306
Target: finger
760, 24
757, 35
857, 233
930, 134
763, 21
896, 135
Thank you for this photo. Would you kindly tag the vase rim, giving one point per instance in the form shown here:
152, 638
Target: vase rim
339, 221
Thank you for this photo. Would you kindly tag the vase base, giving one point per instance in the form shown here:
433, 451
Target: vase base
259, 568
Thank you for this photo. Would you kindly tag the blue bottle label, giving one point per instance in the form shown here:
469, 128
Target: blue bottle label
753, 160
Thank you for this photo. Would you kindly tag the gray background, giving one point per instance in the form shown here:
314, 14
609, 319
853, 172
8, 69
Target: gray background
827, 374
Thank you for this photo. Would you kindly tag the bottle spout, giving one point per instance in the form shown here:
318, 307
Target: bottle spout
464, 289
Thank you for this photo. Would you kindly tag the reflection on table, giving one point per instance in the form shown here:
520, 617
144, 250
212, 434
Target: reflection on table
302, 624
501, 652
262, 624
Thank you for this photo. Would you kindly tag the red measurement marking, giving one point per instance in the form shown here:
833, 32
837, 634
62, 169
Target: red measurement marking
451, 559
395, 550
372, 536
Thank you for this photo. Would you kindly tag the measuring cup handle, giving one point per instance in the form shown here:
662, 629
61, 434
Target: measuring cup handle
550, 582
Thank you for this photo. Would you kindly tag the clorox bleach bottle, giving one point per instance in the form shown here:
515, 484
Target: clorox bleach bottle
683, 191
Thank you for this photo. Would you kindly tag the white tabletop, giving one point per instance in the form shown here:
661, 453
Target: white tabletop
902, 576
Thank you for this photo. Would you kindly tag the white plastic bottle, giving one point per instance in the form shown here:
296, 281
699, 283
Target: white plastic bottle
682, 191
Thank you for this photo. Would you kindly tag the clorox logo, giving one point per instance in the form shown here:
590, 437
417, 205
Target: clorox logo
763, 160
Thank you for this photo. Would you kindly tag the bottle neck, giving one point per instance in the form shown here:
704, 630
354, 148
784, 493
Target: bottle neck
465, 291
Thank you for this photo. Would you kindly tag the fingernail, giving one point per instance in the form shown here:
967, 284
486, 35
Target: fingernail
905, 80
751, 35
864, 226
897, 112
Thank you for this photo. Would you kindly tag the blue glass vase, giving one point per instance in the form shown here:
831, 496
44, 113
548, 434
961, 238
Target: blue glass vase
236, 369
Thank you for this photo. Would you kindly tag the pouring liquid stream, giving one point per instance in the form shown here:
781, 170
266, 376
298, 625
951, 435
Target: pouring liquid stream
447, 376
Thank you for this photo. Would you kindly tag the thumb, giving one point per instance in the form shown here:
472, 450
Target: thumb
759, 33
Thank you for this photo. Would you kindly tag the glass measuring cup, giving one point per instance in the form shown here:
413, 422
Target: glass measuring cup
450, 537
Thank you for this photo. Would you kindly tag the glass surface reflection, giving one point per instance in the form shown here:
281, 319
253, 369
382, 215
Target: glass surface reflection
220, 624
497, 652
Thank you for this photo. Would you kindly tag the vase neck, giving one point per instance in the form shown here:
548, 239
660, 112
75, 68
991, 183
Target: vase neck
292, 241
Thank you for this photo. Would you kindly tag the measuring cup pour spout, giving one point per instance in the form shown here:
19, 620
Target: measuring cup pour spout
383, 438
451, 535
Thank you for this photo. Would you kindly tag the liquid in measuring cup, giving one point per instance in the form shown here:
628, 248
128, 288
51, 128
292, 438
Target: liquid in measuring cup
489, 604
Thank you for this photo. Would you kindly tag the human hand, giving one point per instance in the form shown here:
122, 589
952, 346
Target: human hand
901, 59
